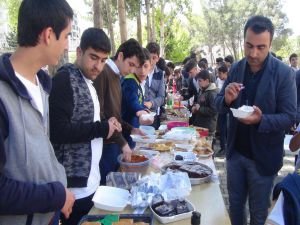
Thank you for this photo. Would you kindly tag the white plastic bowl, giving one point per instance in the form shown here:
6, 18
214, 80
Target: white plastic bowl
242, 112
149, 116
149, 130
111, 198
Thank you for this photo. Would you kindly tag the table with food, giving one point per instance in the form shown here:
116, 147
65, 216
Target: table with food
170, 179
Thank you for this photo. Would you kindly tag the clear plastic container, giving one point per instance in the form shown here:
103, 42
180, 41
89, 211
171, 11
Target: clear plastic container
138, 167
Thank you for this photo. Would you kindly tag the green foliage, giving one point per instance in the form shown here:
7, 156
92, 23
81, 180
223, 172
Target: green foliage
177, 41
225, 20
11, 39
13, 10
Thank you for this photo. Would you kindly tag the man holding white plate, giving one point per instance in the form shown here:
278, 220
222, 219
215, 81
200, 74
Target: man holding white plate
255, 142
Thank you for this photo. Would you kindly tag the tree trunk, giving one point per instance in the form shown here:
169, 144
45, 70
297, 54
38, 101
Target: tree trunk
153, 38
122, 20
98, 19
110, 27
147, 3
162, 29
139, 25
234, 49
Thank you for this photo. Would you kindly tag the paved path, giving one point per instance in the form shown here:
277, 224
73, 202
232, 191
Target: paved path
288, 167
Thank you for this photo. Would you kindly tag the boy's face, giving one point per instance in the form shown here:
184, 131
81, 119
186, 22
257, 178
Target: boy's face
222, 76
91, 62
57, 47
294, 61
143, 71
128, 65
154, 59
203, 83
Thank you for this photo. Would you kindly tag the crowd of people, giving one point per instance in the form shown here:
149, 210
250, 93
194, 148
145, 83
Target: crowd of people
60, 138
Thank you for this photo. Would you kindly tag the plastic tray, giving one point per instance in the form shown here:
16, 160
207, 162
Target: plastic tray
147, 218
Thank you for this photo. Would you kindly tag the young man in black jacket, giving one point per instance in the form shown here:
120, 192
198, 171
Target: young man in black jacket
76, 130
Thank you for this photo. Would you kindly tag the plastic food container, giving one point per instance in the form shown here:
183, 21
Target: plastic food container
170, 219
149, 130
146, 218
172, 124
111, 198
138, 167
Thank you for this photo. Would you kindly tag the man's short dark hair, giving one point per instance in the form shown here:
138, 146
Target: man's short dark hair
259, 24
203, 60
219, 60
171, 65
203, 74
192, 63
229, 59
223, 68
131, 48
147, 55
153, 48
161, 64
294, 55
96, 39
36, 15
202, 65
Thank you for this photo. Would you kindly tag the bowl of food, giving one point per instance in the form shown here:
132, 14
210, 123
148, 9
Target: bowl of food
243, 111
198, 172
139, 163
203, 152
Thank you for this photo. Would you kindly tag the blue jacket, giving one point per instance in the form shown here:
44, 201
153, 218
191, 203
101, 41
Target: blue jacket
31, 179
298, 94
132, 99
276, 98
290, 187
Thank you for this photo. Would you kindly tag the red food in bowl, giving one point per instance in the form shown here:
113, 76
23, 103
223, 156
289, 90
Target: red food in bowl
173, 124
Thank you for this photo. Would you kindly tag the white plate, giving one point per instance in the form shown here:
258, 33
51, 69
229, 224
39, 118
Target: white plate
111, 198
242, 112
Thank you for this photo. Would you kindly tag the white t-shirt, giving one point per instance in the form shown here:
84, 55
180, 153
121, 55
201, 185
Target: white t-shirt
220, 83
34, 90
97, 146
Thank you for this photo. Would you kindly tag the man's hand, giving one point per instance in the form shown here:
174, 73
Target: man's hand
114, 125
254, 118
148, 104
195, 108
70, 199
144, 120
127, 152
137, 131
232, 91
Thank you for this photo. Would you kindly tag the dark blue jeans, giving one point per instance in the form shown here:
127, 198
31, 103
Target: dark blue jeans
243, 181
109, 162
222, 124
